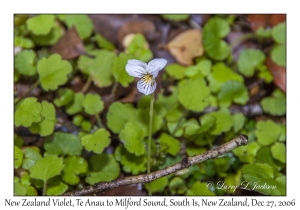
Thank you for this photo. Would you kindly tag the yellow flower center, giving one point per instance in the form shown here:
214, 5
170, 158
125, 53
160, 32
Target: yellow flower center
147, 78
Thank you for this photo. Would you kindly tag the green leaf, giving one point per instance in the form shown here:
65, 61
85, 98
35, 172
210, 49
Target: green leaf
63, 144
99, 67
18, 157
103, 42
239, 121
130, 162
222, 164
279, 33
92, 104
248, 61
117, 116
86, 125
192, 150
83, 24
66, 95
177, 186
158, 185
76, 105
53, 71
40, 24
18, 141
118, 69
264, 155
233, 91
19, 189
265, 74
221, 74
23, 42
205, 66
224, 121
31, 155
28, 112
158, 107
279, 152
97, 141
258, 175
248, 152
105, 168
267, 132
74, 166
264, 33
214, 30
142, 117
46, 168
282, 136
175, 70
199, 188
77, 120
56, 187
278, 55
46, 126
132, 136
49, 39
172, 144
24, 62
193, 94
275, 104
175, 17
175, 113
138, 48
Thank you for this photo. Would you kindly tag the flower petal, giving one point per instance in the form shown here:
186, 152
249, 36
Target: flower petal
156, 65
136, 68
146, 87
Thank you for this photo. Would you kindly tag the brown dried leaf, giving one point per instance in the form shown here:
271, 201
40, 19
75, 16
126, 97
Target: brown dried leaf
145, 27
70, 45
278, 73
260, 20
186, 46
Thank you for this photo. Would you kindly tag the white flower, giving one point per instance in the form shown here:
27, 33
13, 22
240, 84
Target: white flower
147, 73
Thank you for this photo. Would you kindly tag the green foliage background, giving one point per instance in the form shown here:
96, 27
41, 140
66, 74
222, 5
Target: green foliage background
184, 125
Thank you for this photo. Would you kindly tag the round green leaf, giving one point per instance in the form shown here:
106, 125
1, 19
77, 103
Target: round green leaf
118, 114
177, 186
65, 96
221, 74
31, 155
51, 38
56, 187
264, 155
28, 112
40, 24
92, 104
99, 67
83, 24
63, 144
24, 62
224, 121
172, 144
267, 132
18, 157
23, 42
46, 126
77, 120
279, 33
76, 105
263, 174
53, 71
118, 69
18, 141
193, 94
248, 60
247, 153
19, 189
138, 48
279, 152
239, 121
199, 188
278, 55
97, 141
192, 150
214, 30
233, 91
104, 43
46, 168
275, 104
158, 185
175, 17
86, 125
175, 70
74, 166
104, 168
132, 136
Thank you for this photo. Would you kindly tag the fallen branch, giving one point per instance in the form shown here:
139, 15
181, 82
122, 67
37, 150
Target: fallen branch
144, 178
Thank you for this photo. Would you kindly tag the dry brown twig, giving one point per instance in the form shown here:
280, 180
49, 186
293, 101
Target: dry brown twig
144, 178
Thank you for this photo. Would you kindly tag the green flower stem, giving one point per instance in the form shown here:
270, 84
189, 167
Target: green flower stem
86, 85
45, 188
113, 92
28, 91
98, 121
149, 140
